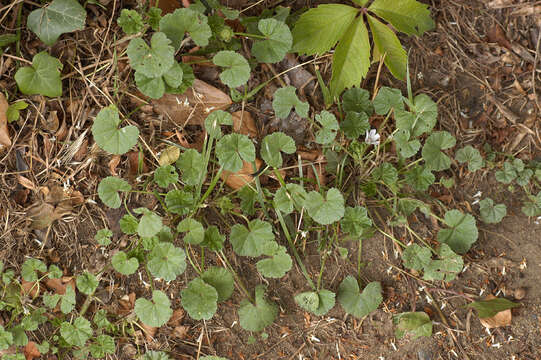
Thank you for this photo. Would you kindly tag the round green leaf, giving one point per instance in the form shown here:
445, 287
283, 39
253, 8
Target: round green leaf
165, 176
329, 127
78, 333
359, 304
151, 61
150, 223
462, 232
237, 69
355, 124
387, 99
199, 299
6, 338
285, 99
221, 280
251, 241
104, 344
29, 268
156, 312
472, 156
214, 120
357, 100
416, 257
123, 265
107, 134
153, 87
277, 265
108, 191
42, 78
232, 149
432, 150
166, 261
325, 211
420, 178
130, 21
490, 213
103, 237
273, 144
196, 232
257, 317
213, 239
277, 43
156, 355
355, 221
191, 164
179, 201
318, 303
186, 20
87, 283
418, 323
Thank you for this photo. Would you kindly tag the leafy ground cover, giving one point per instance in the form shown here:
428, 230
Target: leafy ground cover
204, 180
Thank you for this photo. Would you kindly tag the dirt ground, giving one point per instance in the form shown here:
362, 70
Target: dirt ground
482, 64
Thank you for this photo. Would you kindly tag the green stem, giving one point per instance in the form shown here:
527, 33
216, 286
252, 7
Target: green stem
260, 195
211, 187
254, 36
420, 239
359, 256
294, 250
236, 276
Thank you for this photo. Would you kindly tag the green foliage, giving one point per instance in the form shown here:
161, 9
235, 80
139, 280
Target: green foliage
195, 231
356, 303
107, 134
213, 240
78, 333
221, 280
285, 99
289, 197
13, 111
532, 207
416, 323
185, 20
490, 213
327, 210
191, 165
471, 156
277, 43
356, 221
462, 232
416, 257
87, 283
233, 149
355, 124
329, 127
420, 178
237, 69
108, 191
449, 265
165, 176
215, 120
257, 317
179, 201
489, 308
130, 21
333, 24
151, 61
155, 355
104, 344
251, 241
103, 237
149, 224
31, 267
278, 264
432, 152
387, 99
166, 261
318, 303
156, 312
42, 78
272, 146
123, 264
199, 299
55, 19
385, 173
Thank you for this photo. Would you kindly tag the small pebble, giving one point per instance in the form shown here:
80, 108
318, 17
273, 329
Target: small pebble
519, 293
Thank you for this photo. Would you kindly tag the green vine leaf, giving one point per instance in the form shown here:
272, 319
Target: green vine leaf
318, 303
156, 312
355, 124
87, 283
55, 19
199, 299
257, 317
272, 146
357, 100
327, 210
356, 303
42, 78
285, 99
150, 223
237, 69
182, 21
213, 239
179, 202
107, 134
108, 191
462, 233
277, 43
420, 178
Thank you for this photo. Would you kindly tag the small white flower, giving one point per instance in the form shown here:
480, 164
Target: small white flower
372, 137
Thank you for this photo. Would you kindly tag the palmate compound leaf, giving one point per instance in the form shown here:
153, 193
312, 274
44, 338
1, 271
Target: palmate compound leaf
42, 78
166, 261
221, 280
232, 149
185, 20
78, 333
489, 308
285, 99
123, 264
199, 299
257, 317
329, 127
277, 43
191, 165
470, 155
318, 303
156, 312
490, 213
462, 232
327, 210
432, 150
327, 23
351, 59
408, 16
272, 146
356, 221
237, 69
278, 264
55, 19
356, 303
108, 191
151, 61
417, 323
386, 42
107, 134
251, 241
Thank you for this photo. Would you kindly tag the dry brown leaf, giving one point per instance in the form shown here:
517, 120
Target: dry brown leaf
30, 288
5, 140
21, 196
59, 285
169, 155
51, 124
177, 317
150, 331
136, 163
496, 35
31, 351
242, 177
503, 318
113, 163
167, 6
180, 332
243, 123
126, 304
25, 182
194, 105
42, 215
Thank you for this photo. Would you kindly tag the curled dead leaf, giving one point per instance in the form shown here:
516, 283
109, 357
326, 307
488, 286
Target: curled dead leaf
150, 331
180, 332
177, 317
113, 163
5, 140
502, 318
169, 155
194, 105
51, 123
243, 123
242, 177
126, 304
31, 351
